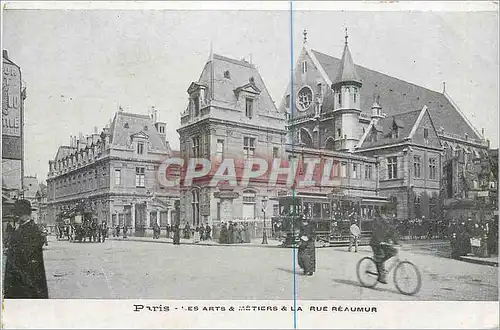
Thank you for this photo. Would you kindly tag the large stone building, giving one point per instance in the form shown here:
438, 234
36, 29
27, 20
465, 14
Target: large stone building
419, 140
230, 115
115, 173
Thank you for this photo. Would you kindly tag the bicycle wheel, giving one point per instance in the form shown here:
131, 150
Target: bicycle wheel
407, 278
367, 272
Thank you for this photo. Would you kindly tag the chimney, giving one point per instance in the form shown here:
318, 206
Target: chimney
5, 54
95, 129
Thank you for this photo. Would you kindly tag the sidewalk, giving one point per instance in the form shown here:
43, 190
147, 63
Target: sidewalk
256, 242
490, 261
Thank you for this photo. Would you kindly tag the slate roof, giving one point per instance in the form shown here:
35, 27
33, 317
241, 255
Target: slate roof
120, 135
240, 73
63, 151
405, 121
397, 96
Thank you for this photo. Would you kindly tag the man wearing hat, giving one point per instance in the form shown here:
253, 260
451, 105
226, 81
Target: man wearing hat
25, 271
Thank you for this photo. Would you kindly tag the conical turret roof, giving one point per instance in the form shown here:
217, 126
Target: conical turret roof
347, 70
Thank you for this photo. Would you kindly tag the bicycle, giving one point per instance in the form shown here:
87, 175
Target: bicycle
366, 270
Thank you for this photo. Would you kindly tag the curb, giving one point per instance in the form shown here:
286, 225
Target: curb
479, 261
197, 244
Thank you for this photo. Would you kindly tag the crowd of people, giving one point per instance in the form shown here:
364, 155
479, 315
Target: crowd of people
418, 229
234, 233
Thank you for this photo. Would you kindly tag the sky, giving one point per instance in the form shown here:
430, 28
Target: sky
79, 66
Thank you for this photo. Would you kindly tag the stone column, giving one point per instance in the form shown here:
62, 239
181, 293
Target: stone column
148, 216
132, 215
169, 216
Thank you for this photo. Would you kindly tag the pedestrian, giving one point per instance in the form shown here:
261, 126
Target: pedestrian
230, 233
208, 232
24, 270
117, 231
202, 232
306, 255
125, 229
168, 230
196, 235
246, 233
223, 236
237, 232
354, 237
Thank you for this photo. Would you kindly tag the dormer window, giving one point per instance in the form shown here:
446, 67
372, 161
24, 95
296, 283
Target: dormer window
287, 101
162, 129
140, 148
249, 108
227, 75
252, 80
126, 125
145, 128
395, 132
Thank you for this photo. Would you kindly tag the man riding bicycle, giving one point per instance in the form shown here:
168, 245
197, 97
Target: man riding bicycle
382, 241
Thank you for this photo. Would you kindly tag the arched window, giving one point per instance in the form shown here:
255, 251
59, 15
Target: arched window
330, 144
195, 206
306, 138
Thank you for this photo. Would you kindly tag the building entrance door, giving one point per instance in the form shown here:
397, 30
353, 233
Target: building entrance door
140, 219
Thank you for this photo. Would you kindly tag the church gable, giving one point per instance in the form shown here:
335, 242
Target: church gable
309, 88
425, 133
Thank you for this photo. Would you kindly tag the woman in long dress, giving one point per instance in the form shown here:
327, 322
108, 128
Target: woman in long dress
306, 255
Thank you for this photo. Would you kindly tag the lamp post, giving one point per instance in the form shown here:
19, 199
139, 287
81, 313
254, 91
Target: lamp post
264, 234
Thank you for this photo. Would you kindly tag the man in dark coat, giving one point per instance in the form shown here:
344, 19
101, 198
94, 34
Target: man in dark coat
382, 242
208, 232
230, 233
306, 255
24, 270
223, 237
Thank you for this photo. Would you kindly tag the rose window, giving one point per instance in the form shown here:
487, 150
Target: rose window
304, 98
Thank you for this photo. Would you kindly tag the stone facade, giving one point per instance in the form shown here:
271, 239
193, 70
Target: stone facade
230, 116
115, 173
336, 105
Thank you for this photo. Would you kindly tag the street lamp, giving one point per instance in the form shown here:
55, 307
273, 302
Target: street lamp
264, 205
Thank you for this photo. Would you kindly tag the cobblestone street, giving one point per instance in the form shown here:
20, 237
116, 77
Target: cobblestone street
126, 269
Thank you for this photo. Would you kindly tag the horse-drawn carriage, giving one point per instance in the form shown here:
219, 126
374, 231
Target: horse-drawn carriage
78, 225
